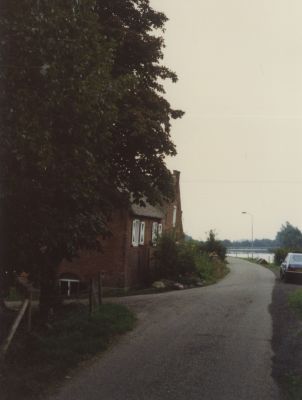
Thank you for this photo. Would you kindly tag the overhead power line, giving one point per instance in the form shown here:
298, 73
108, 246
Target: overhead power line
287, 181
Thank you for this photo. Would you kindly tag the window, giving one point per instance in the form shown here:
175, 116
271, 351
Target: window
160, 230
154, 232
135, 232
297, 258
69, 287
174, 216
138, 232
142, 233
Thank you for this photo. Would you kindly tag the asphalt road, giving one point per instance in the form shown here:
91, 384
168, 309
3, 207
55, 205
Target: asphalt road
208, 343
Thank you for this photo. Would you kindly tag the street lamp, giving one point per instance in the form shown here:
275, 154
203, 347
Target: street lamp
252, 224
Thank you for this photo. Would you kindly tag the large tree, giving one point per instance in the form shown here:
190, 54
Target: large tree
83, 124
144, 115
289, 237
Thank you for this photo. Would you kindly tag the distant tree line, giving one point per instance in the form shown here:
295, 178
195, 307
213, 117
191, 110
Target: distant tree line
243, 244
288, 239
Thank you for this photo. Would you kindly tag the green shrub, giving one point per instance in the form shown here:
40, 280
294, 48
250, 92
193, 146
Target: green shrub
279, 255
186, 260
13, 294
210, 269
204, 266
165, 258
212, 245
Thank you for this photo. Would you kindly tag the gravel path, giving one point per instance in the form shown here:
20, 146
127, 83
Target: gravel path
209, 343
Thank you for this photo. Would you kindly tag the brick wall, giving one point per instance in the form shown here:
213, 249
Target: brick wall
124, 265
110, 261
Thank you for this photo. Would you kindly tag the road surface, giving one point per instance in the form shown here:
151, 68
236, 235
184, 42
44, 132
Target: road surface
209, 343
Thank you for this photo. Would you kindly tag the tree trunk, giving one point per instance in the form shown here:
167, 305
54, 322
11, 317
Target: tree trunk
6, 315
3, 292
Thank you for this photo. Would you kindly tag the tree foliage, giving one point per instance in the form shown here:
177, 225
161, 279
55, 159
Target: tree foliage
141, 132
212, 245
84, 123
279, 255
289, 237
186, 260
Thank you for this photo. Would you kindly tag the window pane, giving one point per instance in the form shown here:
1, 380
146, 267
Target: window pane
174, 216
142, 233
154, 232
135, 232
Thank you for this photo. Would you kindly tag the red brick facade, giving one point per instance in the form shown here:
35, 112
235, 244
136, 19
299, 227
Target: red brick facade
123, 262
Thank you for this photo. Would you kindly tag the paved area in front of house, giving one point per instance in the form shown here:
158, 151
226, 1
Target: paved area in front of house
208, 343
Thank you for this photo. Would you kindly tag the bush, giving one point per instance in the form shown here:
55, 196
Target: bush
186, 259
180, 261
212, 245
165, 258
281, 253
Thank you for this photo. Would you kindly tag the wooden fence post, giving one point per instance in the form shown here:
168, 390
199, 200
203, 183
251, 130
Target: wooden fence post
13, 329
29, 311
90, 296
95, 292
100, 288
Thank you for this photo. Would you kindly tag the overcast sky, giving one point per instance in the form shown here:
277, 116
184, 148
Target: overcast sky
239, 64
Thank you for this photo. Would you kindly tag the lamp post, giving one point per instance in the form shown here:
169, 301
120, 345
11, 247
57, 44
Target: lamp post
252, 225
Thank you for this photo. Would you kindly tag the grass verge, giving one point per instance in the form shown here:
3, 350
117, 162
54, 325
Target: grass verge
37, 360
211, 270
293, 387
295, 301
293, 382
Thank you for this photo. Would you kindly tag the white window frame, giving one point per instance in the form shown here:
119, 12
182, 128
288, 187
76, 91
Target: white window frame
135, 232
69, 282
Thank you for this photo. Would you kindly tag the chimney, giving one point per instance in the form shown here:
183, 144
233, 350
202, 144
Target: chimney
176, 175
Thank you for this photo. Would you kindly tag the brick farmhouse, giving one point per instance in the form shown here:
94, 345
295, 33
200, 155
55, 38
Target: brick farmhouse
126, 257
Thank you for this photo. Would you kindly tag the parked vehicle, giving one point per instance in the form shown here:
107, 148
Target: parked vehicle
291, 266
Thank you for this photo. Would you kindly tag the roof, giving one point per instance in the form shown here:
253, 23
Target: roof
148, 211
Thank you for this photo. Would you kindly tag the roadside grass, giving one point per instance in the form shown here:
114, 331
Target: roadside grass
295, 301
293, 387
211, 271
13, 295
274, 267
37, 360
292, 382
